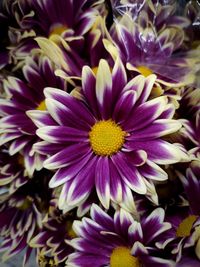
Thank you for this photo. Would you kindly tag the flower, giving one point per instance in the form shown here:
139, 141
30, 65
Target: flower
12, 172
119, 240
69, 58
147, 37
19, 221
17, 41
21, 215
111, 138
51, 239
16, 128
68, 18
186, 223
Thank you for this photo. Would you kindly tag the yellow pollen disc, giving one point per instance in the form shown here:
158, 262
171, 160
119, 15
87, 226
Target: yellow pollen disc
144, 71
106, 138
20, 160
26, 204
185, 226
95, 69
58, 29
41, 106
70, 230
121, 257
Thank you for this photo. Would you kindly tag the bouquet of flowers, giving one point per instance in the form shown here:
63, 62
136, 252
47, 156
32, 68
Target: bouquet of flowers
100, 132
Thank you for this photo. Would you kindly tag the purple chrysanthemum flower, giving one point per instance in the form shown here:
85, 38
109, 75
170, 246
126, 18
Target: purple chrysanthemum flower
66, 18
51, 242
19, 221
110, 139
148, 41
185, 231
21, 216
17, 41
70, 58
16, 128
119, 240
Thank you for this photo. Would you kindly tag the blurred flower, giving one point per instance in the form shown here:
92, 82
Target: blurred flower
12, 171
51, 239
149, 41
16, 128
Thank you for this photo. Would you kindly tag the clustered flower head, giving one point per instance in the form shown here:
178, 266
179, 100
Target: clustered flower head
100, 132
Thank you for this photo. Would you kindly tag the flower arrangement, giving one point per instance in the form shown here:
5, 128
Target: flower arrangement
100, 132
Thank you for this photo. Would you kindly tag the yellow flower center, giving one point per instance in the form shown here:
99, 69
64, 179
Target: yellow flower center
106, 138
185, 226
95, 69
26, 204
121, 257
144, 71
41, 106
57, 29
20, 160
70, 230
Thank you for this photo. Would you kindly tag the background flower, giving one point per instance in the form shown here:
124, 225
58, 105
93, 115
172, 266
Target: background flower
119, 240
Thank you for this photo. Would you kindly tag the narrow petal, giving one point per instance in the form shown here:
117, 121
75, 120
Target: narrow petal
64, 174
124, 106
62, 134
104, 89
66, 156
158, 151
88, 86
155, 130
102, 181
130, 175
145, 114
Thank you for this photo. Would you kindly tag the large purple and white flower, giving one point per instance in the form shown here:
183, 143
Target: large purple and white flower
119, 240
16, 128
110, 138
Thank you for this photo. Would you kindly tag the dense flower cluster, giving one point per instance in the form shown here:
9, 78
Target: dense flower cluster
100, 132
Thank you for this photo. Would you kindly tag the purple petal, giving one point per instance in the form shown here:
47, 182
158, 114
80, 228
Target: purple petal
124, 106
88, 86
64, 174
70, 105
158, 151
130, 175
145, 114
62, 134
104, 89
67, 156
102, 181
